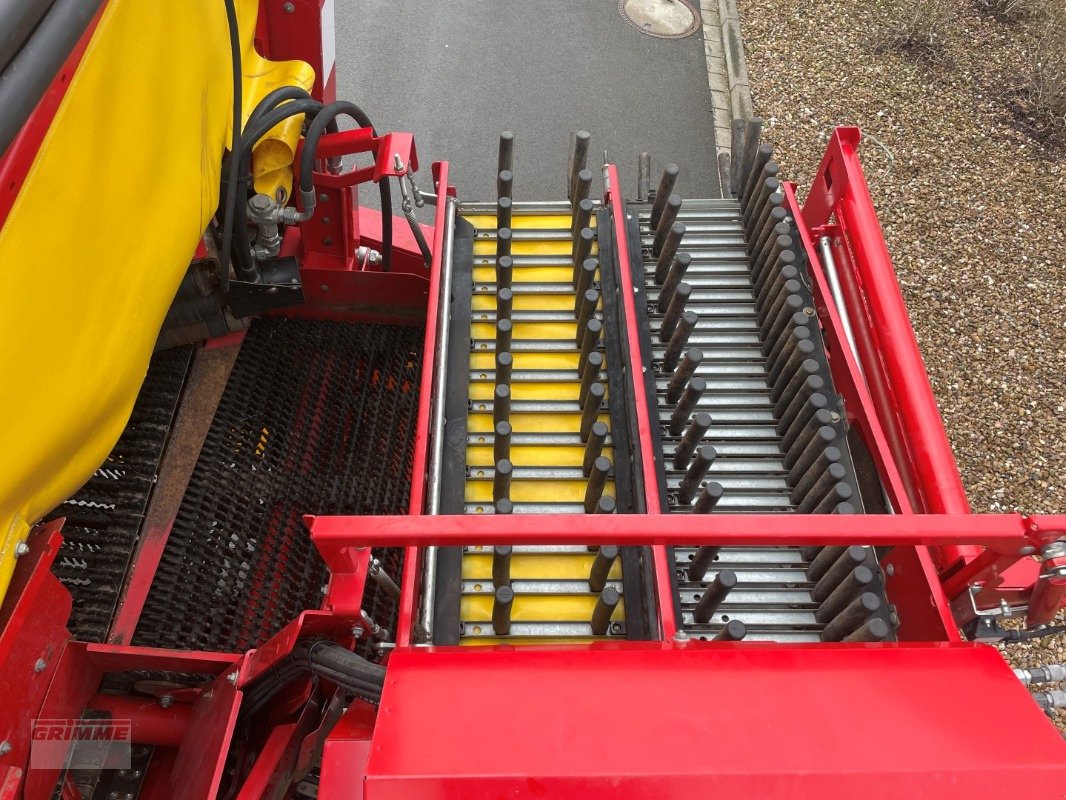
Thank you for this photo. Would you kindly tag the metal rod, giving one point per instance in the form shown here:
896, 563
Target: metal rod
669, 249
505, 183
701, 562
503, 243
501, 403
501, 480
732, 631
504, 506
582, 216
674, 309
501, 565
666, 221
502, 601
501, 442
679, 339
601, 467
583, 245
643, 177
851, 617
695, 389
697, 471
674, 277
505, 160
579, 150
860, 579
605, 606
590, 372
594, 446
697, 428
605, 505
590, 409
583, 278
440, 376
666, 186
601, 567
708, 499
715, 594
683, 373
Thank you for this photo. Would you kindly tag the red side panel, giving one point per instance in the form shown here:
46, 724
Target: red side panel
712, 721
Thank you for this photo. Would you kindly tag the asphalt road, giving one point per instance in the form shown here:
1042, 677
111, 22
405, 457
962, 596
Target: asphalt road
457, 72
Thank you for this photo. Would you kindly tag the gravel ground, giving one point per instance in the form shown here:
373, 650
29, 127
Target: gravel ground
971, 210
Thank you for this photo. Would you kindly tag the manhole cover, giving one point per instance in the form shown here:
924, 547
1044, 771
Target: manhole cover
667, 19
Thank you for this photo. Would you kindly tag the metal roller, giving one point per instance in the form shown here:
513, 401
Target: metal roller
874, 630
784, 269
582, 216
666, 221
701, 562
504, 367
593, 331
822, 560
590, 300
788, 389
505, 183
505, 160
502, 601
590, 373
682, 373
504, 304
805, 451
679, 339
501, 403
503, 506
752, 134
590, 409
501, 441
666, 187
503, 243
785, 345
581, 186
697, 471
796, 353
668, 251
793, 314
776, 225
579, 151
763, 154
851, 617
643, 177
501, 480
501, 565
717, 591
798, 435
861, 579
803, 481
606, 603
775, 246
504, 272
708, 498
605, 505
689, 398
852, 557
787, 409
732, 631
601, 468
503, 213
769, 312
673, 279
808, 411
583, 245
584, 276
694, 433
504, 333
840, 493
834, 474
601, 567
594, 446
674, 310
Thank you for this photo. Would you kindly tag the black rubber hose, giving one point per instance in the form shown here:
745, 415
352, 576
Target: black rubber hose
272, 99
233, 175
31, 71
18, 18
307, 164
246, 267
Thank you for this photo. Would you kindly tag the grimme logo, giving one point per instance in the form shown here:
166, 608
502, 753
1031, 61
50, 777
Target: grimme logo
80, 744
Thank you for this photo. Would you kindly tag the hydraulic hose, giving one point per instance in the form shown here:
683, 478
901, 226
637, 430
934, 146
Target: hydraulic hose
307, 164
233, 175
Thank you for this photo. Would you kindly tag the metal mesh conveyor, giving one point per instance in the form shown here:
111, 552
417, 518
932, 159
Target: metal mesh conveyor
317, 417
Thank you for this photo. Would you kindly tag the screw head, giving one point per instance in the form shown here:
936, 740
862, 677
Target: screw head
1028, 550
5, 748
890, 570
40, 665
166, 701
289, 8
232, 678
21, 549
680, 636
260, 202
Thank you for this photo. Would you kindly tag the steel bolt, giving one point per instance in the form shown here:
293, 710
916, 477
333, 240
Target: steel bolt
166, 701
680, 636
1027, 550
21, 549
40, 665
232, 678
289, 8
5, 748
